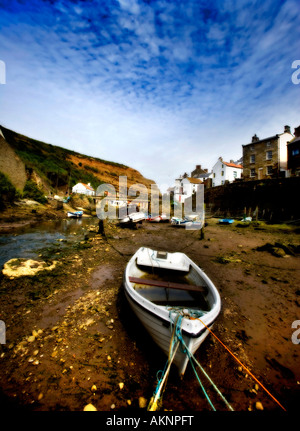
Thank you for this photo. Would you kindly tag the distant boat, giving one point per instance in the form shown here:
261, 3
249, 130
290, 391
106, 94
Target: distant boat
226, 221
158, 218
187, 223
75, 214
162, 286
136, 217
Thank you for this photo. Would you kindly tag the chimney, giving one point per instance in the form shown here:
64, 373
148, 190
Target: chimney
255, 138
297, 132
221, 159
198, 166
287, 129
231, 161
205, 170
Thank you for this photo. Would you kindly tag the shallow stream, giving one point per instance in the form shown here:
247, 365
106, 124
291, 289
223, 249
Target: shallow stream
27, 242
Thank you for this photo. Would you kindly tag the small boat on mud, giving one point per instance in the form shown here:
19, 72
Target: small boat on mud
135, 217
158, 218
161, 286
75, 214
226, 221
187, 223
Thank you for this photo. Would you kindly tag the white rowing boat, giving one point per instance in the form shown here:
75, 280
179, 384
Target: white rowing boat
75, 214
136, 217
159, 286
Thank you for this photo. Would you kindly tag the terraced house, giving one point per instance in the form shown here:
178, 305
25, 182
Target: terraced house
266, 158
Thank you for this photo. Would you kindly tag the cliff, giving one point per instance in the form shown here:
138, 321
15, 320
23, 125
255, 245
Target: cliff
56, 169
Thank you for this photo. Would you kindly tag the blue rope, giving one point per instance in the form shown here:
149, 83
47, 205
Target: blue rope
178, 335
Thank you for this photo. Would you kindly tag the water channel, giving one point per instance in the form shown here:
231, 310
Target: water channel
27, 242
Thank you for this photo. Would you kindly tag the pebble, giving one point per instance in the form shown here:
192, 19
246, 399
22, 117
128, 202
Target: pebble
258, 405
142, 402
89, 408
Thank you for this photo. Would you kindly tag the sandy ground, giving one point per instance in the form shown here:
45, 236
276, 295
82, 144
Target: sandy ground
71, 338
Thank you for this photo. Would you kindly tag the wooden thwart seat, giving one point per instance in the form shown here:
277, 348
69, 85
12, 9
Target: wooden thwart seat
167, 284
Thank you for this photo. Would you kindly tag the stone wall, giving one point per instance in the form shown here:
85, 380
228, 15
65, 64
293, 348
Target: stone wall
12, 165
270, 199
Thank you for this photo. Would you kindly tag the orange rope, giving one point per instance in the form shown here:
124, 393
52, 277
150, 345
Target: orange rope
243, 366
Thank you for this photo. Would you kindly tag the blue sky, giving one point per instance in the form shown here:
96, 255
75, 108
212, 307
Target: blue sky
158, 85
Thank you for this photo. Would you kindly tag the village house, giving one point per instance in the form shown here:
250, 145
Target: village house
84, 189
185, 187
203, 175
293, 148
266, 158
225, 172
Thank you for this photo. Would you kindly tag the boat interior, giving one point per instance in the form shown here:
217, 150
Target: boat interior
171, 287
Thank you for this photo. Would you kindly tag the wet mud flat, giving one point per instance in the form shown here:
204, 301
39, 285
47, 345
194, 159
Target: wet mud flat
72, 340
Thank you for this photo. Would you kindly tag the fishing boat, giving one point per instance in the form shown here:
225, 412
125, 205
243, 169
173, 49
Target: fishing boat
135, 217
75, 214
160, 286
157, 218
187, 223
226, 221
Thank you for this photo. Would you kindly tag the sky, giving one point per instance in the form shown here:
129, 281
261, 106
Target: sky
158, 85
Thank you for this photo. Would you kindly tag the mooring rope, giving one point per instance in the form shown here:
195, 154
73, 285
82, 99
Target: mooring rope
248, 371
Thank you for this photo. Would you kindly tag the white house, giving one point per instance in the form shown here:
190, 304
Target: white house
84, 189
185, 187
225, 171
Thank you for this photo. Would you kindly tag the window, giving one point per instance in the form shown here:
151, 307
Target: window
214, 175
269, 170
252, 158
268, 144
222, 173
295, 152
252, 172
234, 174
222, 182
252, 148
269, 155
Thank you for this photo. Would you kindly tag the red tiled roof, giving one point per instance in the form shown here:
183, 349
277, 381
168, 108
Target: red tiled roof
87, 187
233, 165
194, 180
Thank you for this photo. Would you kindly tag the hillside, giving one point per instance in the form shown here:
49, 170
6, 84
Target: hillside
57, 169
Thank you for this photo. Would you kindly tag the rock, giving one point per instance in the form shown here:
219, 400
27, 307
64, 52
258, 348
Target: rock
94, 388
22, 267
258, 405
121, 385
89, 408
142, 402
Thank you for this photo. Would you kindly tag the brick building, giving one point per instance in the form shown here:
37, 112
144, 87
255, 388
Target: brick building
266, 158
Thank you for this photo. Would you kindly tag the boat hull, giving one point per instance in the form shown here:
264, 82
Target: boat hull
159, 321
75, 214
